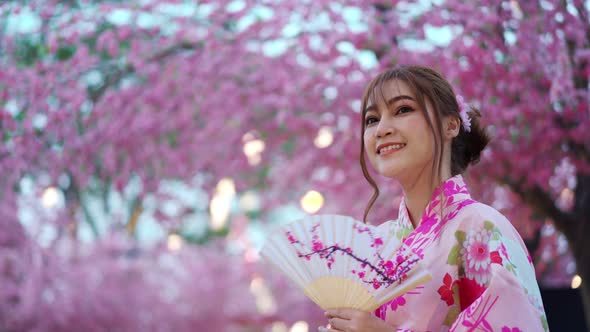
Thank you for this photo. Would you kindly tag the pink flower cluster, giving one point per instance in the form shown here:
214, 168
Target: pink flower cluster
102, 104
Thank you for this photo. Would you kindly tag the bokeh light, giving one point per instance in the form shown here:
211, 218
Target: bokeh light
312, 201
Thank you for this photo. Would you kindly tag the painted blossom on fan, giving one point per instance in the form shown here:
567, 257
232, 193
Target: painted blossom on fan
388, 272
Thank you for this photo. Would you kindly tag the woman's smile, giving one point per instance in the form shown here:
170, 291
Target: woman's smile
389, 148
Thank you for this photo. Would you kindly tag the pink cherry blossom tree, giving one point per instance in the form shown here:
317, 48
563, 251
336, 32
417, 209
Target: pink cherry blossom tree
103, 93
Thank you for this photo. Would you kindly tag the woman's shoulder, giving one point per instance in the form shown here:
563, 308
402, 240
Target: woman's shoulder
479, 210
482, 216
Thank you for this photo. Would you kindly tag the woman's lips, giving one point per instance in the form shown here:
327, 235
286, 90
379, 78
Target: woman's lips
387, 149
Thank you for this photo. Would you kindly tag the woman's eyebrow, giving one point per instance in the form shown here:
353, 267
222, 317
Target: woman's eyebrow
395, 99
370, 108
390, 102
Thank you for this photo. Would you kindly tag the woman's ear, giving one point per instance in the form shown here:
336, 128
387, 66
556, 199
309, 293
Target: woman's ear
452, 127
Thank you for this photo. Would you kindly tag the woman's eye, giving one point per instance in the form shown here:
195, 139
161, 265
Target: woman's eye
370, 120
404, 109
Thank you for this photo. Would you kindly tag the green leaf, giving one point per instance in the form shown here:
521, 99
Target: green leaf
125, 45
254, 214
402, 233
452, 315
6, 136
263, 174
511, 268
496, 236
172, 139
453, 255
461, 236
27, 51
544, 323
288, 147
20, 116
456, 296
489, 225
514, 137
65, 52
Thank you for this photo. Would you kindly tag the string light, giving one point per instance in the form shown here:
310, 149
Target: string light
251, 255
253, 150
324, 138
312, 201
576, 281
226, 187
220, 205
249, 201
279, 327
300, 326
175, 242
264, 301
51, 197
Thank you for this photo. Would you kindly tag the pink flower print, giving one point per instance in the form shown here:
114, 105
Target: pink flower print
377, 242
469, 292
476, 255
399, 259
503, 251
389, 268
427, 223
450, 188
314, 228
496, 257
376, 284
397, 302
291, 238
317, 246
446, 290
381, 312
508, 329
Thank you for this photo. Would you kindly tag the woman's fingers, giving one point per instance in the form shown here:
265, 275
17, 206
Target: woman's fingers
338, 324
342, 313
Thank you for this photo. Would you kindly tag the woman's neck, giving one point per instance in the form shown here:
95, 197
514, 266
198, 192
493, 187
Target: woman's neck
417, 198
418, 194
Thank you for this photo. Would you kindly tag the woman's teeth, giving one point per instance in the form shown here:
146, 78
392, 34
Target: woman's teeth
391, 147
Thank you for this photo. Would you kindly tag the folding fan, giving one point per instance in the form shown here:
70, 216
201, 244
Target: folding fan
342, 263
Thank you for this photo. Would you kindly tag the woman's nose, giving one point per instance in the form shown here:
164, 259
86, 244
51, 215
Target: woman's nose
384, 128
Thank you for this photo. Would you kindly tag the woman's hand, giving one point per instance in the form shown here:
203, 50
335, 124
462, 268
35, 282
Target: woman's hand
351, 320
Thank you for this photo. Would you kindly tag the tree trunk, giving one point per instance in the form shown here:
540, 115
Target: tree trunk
574, 224
579, 239
585, 293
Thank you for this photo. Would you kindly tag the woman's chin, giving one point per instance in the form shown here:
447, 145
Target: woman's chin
390, 172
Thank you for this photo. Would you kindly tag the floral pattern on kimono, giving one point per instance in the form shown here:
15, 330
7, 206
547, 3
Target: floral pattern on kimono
482, 276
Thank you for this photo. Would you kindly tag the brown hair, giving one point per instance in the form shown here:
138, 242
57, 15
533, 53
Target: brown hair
428, 84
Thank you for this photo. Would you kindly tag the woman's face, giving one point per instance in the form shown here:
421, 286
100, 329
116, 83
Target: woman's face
398, 141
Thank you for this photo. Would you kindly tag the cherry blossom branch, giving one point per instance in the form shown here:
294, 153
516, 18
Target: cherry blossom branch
385, 278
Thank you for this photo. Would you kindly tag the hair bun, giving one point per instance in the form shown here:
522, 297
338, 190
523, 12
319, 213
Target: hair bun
467, 146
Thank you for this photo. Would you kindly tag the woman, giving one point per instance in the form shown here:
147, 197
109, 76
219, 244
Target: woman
417, 131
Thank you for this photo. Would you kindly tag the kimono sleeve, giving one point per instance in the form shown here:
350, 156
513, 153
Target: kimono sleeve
497, 287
